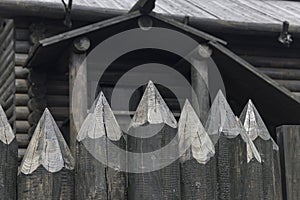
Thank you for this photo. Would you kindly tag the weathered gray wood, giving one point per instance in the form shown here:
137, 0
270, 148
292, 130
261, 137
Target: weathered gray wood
155, 183
22, 139
22, 46
81, 44
37, 77
22, 112
266, 146
47, 169
95, 179
288, 139
233, 149
78, 99
199, 82
37, 104
21, 73
58, 100
22, 126
8, 157
21, 86
37, 91
21, 99
34, 117
21, 59
198, 164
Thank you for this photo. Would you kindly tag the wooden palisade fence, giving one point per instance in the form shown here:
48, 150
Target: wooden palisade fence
228, 159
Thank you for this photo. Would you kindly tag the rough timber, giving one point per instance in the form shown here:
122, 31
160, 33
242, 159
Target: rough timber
233, 148
152, 113
47, 169
95, 179
8, 157
268, 149
197, 161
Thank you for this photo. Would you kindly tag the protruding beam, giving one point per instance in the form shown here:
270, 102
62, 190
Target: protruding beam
232, 147
155, 170
259, 134
48, 163
144, 6
198, 164
8, 157
95, 177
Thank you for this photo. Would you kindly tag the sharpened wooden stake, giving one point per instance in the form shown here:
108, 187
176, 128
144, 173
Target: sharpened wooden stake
268, 149
47, 169
95, 178
8, 157
153, 127
198, 164
233, 149
144, 6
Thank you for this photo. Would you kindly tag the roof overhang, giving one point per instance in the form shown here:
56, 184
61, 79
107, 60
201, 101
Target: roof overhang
243, 81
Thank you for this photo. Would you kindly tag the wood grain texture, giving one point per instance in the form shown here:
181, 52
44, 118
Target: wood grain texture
288, 139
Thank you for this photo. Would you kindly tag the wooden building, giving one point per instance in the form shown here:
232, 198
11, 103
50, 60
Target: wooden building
43, 43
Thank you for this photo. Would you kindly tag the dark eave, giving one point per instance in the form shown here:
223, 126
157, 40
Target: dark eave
62, 41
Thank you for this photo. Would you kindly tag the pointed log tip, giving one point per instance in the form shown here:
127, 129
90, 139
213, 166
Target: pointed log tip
6, 133
100, 122
254, 124
152, 109
194, 141
47, 148
221, 119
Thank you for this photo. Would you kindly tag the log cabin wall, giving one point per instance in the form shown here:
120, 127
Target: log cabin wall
263, 51
7, 75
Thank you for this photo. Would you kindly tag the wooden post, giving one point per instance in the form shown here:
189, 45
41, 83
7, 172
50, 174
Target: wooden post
231, 144
95, 177
267, 148
47, 169
153, 127
198, 164
289, 143
8, 157
78, 78
199, 82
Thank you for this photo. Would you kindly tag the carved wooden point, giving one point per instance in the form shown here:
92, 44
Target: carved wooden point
152, 109
6, 133
47, 148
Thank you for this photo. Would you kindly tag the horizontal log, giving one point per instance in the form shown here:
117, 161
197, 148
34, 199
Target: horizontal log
21, 73
57, 101
21, 153
22, 47
22, 139
59, 113
21, 34
292, 85
22, 112
57, 88
58, 77
37, 91
34, 117
21, 99
8, 92
22, 126
21, 86
283, 74
273, 62
37, 104
21, 59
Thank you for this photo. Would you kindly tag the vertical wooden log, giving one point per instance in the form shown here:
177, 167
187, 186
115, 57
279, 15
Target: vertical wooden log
78, 95
47, 169
289, 143
233, 151
198, 164
100, 167
8, 157
152, 128
267, 148
199, 82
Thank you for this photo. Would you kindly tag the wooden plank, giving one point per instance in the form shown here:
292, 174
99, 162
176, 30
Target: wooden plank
292, 85
147, 180
51, 166
21, 59
268, 150
21, 99
288, 137
282, 74
232, 152
198, 164
95, 178
8, 156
